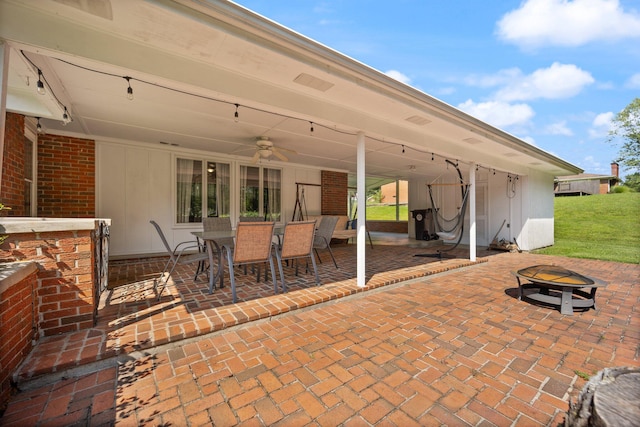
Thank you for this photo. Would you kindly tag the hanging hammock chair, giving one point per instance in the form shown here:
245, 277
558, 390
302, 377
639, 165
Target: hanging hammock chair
456, 230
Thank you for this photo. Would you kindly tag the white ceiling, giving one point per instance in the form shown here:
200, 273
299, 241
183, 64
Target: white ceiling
191, 62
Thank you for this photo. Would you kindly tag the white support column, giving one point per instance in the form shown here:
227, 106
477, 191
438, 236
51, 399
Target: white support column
4, 73
472, 212
362, 210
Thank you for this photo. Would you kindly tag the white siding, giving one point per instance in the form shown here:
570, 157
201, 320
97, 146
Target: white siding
133, 187
538, 211
134, 184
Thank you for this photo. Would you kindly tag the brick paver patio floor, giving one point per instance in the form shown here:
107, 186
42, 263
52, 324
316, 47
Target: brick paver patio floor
455, 347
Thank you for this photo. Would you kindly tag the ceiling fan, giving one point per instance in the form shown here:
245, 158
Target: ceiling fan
265, 148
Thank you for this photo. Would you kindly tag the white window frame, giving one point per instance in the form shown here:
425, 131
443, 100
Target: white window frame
261, 189
31, 134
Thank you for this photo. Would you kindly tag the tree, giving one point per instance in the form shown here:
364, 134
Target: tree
626, 125
633, 181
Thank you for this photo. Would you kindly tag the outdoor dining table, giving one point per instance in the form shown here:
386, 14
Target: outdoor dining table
212, 243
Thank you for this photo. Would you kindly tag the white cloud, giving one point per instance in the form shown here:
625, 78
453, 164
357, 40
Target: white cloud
567, 23
601, 125
634, 81
395, 74
590, 164
499, 114
559, 128
491, 80
557, 81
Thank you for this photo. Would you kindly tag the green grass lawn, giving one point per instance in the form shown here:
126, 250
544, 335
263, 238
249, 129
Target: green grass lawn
604, 226
386, 212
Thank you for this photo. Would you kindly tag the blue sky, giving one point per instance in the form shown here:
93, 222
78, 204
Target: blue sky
551, 72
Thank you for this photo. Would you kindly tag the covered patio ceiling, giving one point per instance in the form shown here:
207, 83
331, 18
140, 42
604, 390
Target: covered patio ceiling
193, 64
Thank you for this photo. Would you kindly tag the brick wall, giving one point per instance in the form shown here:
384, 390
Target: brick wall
66, 177
18, 327
12, 191
388, 226
334, 193
65, 291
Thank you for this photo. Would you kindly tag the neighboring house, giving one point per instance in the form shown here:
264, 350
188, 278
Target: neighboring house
395, 192
585, 184
178, 110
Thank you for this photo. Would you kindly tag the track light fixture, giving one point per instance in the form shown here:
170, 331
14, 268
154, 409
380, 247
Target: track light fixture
129, 89
432, 157
236, 116
402, 148
311, 128
40, 84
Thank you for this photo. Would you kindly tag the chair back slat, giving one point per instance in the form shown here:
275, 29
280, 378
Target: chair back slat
253, 242
216, 224
298, 239
325, 230
164, 240
251, 219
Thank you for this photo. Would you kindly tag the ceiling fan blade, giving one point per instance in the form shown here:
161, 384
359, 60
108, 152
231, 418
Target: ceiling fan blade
287, 150
279, 155
255, 158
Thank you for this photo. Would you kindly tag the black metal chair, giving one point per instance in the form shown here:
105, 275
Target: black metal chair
181, 254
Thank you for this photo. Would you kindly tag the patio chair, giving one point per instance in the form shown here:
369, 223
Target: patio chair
181, 254
253, 245
322, 239
251, 219
297, 243
214, 224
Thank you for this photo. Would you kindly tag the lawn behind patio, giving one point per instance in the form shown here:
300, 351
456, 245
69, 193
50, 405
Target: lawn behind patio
602, 226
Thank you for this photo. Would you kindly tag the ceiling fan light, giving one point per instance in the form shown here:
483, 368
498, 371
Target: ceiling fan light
264, 152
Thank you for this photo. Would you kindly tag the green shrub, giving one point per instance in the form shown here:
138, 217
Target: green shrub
621, 189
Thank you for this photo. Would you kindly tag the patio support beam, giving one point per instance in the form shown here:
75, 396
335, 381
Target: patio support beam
361, 193
472, 212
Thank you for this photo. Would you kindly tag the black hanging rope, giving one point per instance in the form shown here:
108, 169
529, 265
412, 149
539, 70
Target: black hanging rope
464, 193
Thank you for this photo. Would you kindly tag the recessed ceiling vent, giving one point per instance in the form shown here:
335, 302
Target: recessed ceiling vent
418, 120
101, 8
313, 82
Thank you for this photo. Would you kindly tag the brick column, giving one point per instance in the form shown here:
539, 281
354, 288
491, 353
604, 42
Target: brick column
334, 193
65, 281
12, 191
66, 177
18, 325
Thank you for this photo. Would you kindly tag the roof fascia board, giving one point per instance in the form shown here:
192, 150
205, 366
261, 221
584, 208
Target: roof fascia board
287, 41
